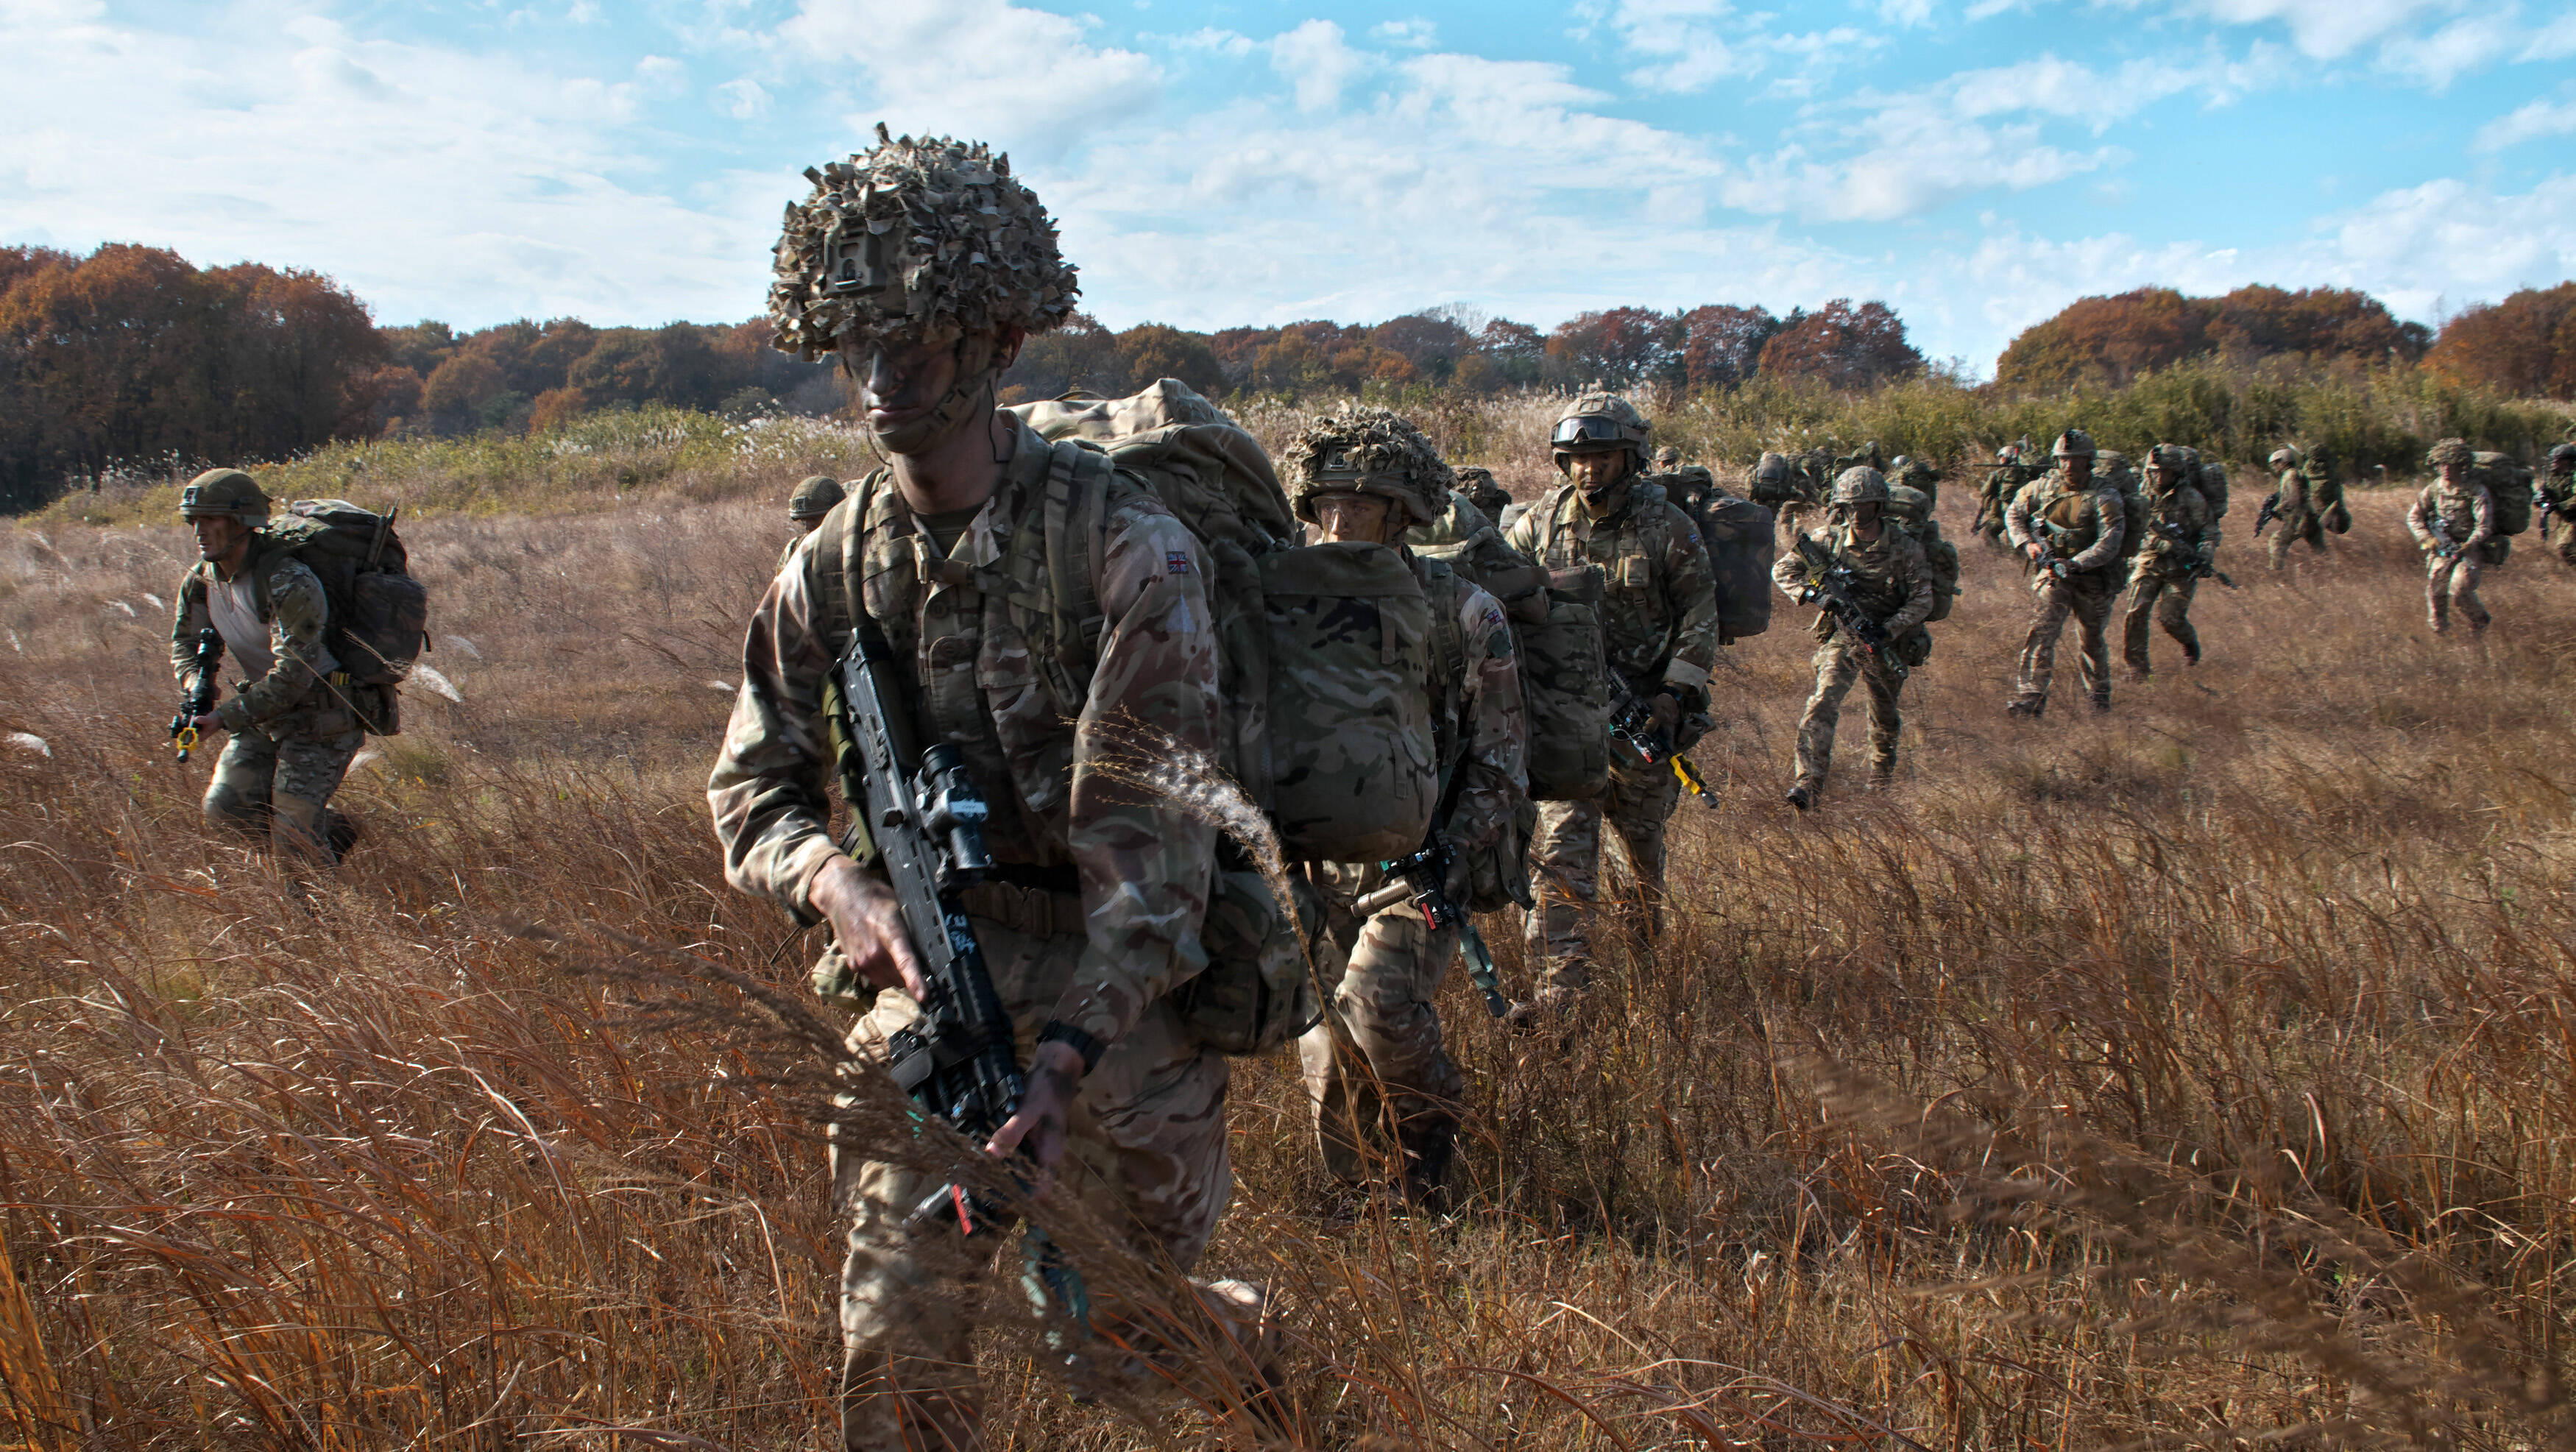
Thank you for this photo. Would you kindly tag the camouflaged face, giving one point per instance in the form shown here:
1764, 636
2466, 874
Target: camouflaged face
1368, 451
915, 239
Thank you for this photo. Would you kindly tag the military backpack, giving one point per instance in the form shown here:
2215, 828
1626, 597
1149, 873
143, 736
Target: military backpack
2508, 483
1911, 508
379, 614
1565, 686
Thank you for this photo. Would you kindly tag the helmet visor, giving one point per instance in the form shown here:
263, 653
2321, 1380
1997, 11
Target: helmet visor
1584, 432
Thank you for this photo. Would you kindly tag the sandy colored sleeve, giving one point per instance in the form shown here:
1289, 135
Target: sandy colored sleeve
769, 792
1690, 593
1496, 733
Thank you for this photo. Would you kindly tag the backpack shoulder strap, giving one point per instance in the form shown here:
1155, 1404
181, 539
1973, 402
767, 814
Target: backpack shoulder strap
263, 567
1073, 518
835, 552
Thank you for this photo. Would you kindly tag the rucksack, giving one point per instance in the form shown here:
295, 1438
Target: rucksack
379, 613
1911, 508
2113, 471
1565, 686
2508, 483
2209, 476
1738, 534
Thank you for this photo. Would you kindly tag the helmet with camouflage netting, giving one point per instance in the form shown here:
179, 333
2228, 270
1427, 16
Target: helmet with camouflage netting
223, 494
1596, 423
2450, 452
1860, 484
814, 497
2074, 444
1668, 458
915, 239
1478, 484
1367, 451
1772, 468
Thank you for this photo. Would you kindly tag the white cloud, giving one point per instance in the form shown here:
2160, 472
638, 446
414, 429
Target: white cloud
744, 99
1414, 34
2454, 50
2526, 123
1317, 62
985, 68
2322, 28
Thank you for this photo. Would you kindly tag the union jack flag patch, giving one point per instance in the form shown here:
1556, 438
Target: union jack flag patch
1175, 562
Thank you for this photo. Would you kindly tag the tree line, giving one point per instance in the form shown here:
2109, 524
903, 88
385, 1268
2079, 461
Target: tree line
131, 358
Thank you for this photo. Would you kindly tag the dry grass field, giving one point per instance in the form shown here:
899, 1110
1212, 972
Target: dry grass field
2198, 1076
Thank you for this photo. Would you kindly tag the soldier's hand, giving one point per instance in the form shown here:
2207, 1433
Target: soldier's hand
1666, 711
867, 921
2034, 549
1055, 1077
207, 722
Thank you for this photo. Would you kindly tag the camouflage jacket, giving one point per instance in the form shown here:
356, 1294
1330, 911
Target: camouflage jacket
1659, 607
2093, 517
1461, 522
2178, 534
2290, 498
2444, 515
298, 616
1889, 577
1035, 737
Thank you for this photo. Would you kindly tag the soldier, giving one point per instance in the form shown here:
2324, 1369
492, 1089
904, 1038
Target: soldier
2178, 548
2453, 521
295, 722
2012, 470
1660, 628
1376, 1068
1883, 570
806, 507
2069, 527
1915, 474
2294, 507
2554, 490
1478, 485
1775, 482
1091, 920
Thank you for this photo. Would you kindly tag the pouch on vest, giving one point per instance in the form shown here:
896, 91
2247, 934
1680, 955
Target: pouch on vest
1565, 690
1352, 753
1256, 992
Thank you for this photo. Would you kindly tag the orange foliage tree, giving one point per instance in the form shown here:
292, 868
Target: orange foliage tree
132, 354
2112, 340
2524, 345
1841, 346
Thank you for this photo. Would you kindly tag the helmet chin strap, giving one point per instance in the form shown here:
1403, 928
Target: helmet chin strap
973, 383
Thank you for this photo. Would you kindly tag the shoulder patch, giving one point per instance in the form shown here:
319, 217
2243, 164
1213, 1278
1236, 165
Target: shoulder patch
1176, 562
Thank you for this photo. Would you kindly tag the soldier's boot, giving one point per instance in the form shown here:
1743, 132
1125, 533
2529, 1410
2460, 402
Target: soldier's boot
341, 832
1430, 1143
2191, 656
2027, 709
1553, 1001
1801, 796
2101, 702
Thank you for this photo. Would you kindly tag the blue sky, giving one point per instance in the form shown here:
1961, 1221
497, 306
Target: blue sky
1976, 163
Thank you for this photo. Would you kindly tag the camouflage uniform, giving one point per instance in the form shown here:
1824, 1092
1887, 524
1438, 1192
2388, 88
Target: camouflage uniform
2557, 485
814, 497
1481, 491
1378, 1058
2295, 514
1659, 620
1092, 919
2179, 539
2092, 521
1889, 580
2452, 524
293, 729
2003, 482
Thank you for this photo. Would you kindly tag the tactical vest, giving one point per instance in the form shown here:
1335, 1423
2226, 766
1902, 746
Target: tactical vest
1631, 556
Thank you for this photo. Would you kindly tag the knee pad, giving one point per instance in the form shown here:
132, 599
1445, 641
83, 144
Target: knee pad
234, 809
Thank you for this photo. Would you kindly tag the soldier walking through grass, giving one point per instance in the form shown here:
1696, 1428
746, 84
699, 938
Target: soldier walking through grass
296, 722
2177, 549
1660, 626
2453, 521
1882, 574
2555, 491
1376, 1067
814, 497
2069, 528
922, 265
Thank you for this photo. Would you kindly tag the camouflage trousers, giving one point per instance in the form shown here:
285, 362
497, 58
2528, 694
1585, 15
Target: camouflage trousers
1565, 859
1839, 663
1384, 1087
2293, 528
2087, 599
2453, 582
1147, 1159
274, 781
2166, 599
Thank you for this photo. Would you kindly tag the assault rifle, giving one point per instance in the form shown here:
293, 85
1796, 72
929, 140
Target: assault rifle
2270, 511
1425, 875
2200, 569
926, 819
1632, 725
1827, 581
201, 696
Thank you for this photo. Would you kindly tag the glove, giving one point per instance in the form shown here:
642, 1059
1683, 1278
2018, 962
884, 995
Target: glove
1872, 634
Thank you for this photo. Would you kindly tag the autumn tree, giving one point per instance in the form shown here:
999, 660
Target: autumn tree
1620, 348
2524, 345
2113, 340
1722, 345
1841, 346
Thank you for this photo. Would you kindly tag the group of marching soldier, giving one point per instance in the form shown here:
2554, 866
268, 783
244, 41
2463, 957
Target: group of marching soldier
1033, 610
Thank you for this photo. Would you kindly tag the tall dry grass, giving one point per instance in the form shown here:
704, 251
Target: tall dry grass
2194, 1077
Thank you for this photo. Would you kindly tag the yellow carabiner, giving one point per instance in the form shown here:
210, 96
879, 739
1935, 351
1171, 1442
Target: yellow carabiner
187, 741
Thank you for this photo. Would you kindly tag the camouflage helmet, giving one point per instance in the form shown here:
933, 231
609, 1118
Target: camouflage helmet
1597, 422
2174, 459
914, 239
223, 494
1772, 469
1367, 451
1668, 458
2562, 459
2074, 444
815, 497
1860, 484
2453, 453
1480, 488
2011, 453
2283, 458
